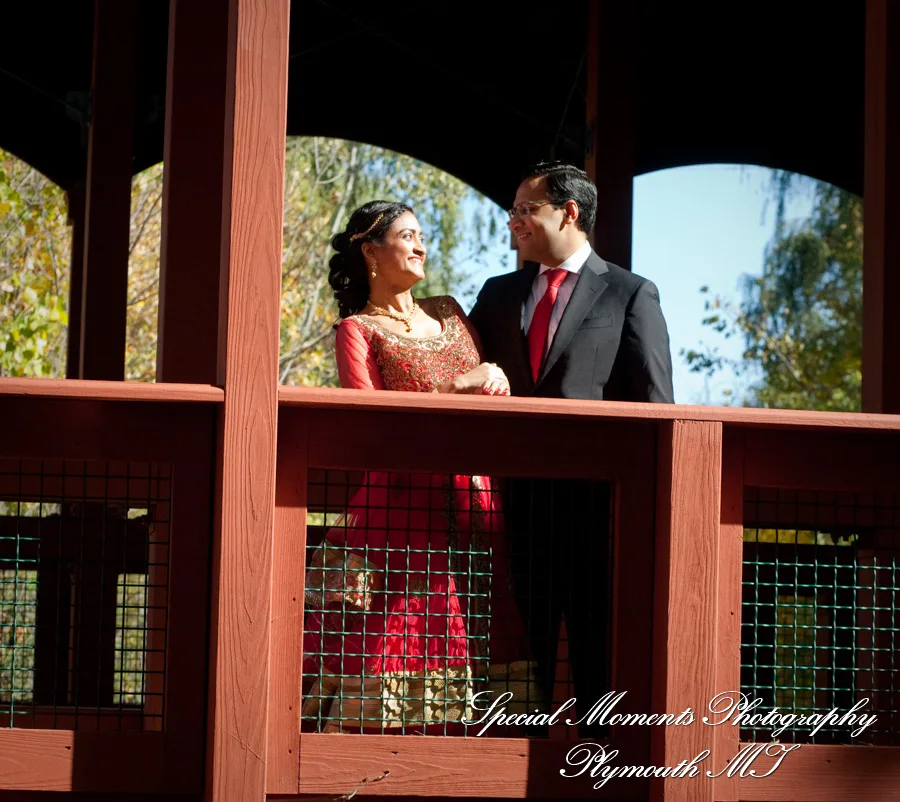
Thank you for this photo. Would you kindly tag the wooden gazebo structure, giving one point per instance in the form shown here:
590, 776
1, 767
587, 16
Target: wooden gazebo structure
220, 460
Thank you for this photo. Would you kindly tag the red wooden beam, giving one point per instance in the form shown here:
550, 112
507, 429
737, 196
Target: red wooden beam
881, 251
193, 193
254, 67
108, 199
728, 635
75, 198
826, 774
287, 605
689, 472
610, 160
501, 408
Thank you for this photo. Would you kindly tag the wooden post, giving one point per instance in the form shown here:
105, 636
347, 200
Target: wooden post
194, 191
287, 604
610, 159
75, 198
730, 595
689, 477
108, 199
881, 256
253, 129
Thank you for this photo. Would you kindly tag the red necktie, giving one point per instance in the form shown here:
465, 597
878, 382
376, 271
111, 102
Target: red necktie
540, 321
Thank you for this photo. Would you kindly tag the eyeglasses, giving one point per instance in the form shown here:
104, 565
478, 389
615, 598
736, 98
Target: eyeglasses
524, 209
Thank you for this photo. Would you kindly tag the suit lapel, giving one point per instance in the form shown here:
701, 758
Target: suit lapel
590, 285
520, 282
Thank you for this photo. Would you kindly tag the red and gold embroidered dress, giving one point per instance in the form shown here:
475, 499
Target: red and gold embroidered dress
410, 606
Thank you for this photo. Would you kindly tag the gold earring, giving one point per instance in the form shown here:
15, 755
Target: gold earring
374, 265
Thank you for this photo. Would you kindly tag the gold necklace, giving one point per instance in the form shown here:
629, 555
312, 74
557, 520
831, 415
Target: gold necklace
404, 319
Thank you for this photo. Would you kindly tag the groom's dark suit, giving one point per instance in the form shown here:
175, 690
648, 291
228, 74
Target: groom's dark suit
611, 344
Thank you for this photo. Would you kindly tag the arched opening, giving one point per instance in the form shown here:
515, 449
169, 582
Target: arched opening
760, 278
325, 180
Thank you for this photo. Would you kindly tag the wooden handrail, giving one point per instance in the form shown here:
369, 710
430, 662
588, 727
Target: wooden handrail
110, 391
392, 401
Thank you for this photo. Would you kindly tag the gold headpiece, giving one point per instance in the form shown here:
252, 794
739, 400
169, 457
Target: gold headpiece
363, 233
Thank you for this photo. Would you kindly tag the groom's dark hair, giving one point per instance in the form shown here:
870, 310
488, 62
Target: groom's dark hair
566, 182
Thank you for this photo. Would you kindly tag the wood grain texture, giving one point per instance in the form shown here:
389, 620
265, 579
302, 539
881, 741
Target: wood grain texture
728, 635
256, 70
447, 767
108, 199
108, 390
57, 760
827, 774
339, 398
689, 471
287, 603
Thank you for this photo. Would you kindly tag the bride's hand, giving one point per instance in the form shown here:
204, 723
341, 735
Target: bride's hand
486, 379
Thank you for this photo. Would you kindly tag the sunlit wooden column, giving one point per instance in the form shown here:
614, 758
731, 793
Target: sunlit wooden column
194, 193
108, 193
610, 160
881, 207
254, 67
689, 482
75, 202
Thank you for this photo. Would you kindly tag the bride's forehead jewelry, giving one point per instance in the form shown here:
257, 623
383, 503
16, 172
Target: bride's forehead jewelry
363, 233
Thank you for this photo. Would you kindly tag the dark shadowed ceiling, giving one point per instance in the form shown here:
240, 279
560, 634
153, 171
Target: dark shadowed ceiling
479, 89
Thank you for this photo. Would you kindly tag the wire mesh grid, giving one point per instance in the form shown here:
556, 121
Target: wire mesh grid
427, 601
83, 588
820, 612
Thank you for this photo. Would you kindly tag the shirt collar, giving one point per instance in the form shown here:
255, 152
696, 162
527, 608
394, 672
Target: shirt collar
574, 263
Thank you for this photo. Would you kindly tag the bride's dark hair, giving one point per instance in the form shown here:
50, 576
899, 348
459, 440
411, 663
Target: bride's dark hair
347, 268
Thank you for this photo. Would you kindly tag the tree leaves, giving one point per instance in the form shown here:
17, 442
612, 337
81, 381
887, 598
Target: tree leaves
325, 180
34, 260
802, 319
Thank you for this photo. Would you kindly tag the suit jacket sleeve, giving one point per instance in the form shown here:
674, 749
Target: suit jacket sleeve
478, 315
357, 367
645, 339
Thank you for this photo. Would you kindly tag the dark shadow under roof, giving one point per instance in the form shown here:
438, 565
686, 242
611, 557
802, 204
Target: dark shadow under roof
480, 89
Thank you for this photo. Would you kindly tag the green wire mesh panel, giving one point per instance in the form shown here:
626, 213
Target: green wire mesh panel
423, 593
820, 613
83, 586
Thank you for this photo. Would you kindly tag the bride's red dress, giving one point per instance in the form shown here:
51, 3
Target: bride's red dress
410, 606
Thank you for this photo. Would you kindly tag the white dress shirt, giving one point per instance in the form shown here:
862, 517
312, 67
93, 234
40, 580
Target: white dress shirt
573, 265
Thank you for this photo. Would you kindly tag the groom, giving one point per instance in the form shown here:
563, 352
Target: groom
568, 325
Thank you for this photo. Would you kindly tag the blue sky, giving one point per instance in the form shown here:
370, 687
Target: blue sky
695, 226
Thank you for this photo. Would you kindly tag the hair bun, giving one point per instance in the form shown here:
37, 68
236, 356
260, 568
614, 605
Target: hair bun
341, 242
347, 273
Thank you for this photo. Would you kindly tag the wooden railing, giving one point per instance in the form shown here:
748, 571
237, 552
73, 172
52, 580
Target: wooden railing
110, 423
679, 473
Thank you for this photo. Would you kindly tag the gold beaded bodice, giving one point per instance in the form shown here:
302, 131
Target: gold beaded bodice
421, 364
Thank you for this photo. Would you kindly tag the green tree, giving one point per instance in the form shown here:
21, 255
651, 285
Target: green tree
325, 179
34, 271
143, 274
801, 320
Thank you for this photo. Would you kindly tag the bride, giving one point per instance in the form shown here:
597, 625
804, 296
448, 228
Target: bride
410, 609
